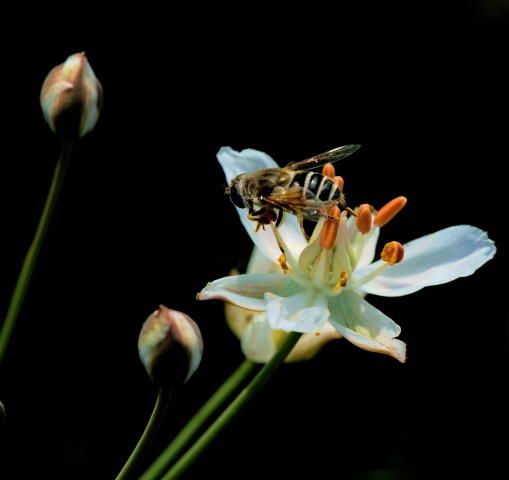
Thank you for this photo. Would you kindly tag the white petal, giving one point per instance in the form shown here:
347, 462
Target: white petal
259, 345
249, 160
365, 326
266, 242
260, 263
256, 341
306, 311
311, 343
434, 259
247, 291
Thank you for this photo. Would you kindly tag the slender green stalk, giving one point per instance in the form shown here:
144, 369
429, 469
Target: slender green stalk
174, 449
233, 409
132, 464
33, 252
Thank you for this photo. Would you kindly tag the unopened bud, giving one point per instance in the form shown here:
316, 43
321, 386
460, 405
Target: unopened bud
71, 98
170, 346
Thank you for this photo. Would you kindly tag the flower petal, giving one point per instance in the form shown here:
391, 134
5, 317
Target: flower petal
306, 311
311, 343
265, 240
260, 263
248, 160
433, 259
365, 326
256, 342
247, 290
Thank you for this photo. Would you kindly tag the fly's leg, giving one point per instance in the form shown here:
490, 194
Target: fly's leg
282, 258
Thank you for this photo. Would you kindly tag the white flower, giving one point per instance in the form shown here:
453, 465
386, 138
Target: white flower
328, 285
259, 342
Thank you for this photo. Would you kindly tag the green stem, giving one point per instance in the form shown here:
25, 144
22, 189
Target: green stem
132, 464
193, 426
234, 408
33, 252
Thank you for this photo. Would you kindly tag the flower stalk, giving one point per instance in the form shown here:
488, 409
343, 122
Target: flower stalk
27, 269
156, 419
222, 394
237, 405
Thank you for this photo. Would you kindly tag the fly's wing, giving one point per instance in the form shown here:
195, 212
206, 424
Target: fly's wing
300, 202
327, 157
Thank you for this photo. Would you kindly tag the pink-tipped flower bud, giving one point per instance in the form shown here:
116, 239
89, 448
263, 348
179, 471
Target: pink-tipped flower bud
170, 347
71, 98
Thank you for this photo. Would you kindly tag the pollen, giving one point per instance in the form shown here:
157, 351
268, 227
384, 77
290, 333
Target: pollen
330, 229
364, 220
393, 253
342, 281
284, 264
389, 211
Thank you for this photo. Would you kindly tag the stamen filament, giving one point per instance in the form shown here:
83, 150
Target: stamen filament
368, 277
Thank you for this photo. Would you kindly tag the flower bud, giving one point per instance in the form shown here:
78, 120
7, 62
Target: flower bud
71, 98
170, 347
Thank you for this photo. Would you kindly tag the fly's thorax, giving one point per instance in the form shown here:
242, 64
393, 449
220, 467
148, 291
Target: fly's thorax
261, 184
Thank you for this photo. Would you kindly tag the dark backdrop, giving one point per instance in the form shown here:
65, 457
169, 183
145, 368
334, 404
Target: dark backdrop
142, 220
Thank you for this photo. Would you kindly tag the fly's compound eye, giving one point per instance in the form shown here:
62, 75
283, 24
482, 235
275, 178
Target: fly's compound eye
236, 197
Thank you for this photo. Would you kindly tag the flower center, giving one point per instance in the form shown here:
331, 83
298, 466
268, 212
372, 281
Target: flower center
330, 262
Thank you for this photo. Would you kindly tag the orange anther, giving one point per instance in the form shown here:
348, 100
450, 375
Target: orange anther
343, 279
388, 211
339, 182
330, 229
328, 170
393, 253
363, 220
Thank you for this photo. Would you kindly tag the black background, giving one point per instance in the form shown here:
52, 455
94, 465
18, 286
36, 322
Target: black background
142, 220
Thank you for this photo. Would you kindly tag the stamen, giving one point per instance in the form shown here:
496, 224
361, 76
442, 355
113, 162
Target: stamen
328, 170
388, 211
330, 229
339, 182
342, 281
363, 220
393, 253
283, 263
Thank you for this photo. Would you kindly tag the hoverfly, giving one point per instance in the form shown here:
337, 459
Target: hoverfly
270, 193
